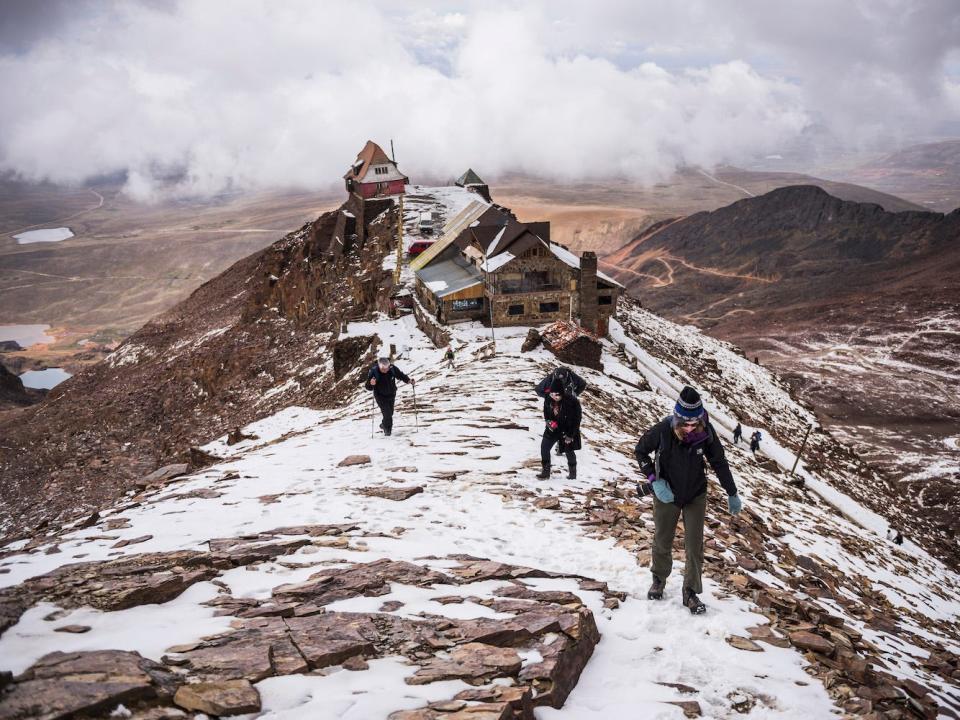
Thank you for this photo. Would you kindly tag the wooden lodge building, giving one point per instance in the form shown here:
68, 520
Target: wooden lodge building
490, 267
373, 174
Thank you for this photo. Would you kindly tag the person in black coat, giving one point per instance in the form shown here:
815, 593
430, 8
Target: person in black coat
382, 380
737, 434
562, 414
677, 479
567, 381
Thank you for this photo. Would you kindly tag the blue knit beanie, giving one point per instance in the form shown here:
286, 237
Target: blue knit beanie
688, 405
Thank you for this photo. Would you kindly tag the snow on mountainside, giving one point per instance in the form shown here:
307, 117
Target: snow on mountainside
438, 578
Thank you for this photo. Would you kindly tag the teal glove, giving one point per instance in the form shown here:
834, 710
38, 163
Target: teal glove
735, 504
662, 491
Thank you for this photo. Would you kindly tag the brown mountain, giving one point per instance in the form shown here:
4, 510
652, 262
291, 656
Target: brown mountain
858, 305
196, 371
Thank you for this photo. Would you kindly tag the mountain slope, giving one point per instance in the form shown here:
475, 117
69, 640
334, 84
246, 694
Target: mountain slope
856, 305
809, 609
206, 365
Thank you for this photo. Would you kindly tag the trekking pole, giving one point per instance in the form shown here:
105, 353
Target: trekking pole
800, 452
373, 413
416, 416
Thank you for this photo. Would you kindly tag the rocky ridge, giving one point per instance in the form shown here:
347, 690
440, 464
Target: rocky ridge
397, 585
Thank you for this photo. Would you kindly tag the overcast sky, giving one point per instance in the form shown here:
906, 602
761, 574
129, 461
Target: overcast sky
222, 94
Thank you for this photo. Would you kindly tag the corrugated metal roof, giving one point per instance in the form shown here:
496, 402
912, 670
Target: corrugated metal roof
451, 230
449, 276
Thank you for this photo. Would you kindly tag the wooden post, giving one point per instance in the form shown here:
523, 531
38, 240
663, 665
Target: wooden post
489, 301
396, 270
802, 446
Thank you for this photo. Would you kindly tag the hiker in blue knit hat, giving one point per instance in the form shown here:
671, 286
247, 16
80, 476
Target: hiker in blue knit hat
677, 479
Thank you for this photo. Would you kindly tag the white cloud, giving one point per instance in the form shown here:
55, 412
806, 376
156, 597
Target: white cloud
264, 94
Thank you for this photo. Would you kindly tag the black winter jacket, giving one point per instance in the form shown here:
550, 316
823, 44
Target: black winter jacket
386, 382
551, 381
568, 420
682, 465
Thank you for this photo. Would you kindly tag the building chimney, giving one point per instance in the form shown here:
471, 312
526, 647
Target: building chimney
588, 292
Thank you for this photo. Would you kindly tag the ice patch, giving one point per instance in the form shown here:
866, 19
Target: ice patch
44, 235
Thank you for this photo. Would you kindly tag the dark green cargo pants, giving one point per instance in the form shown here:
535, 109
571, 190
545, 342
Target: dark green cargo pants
665, 517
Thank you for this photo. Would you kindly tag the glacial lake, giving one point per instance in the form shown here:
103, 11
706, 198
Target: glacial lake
26, 335
44, 379
44, 235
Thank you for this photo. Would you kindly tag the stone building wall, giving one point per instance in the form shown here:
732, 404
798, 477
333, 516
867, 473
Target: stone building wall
532, 315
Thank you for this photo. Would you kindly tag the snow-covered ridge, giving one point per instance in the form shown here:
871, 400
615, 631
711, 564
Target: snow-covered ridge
472, 447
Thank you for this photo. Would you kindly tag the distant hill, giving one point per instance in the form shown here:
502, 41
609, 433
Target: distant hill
760, 182
792, 240
927, 174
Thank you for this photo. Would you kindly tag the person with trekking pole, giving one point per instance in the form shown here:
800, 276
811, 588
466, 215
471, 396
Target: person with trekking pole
677, 479
382, 380
448, 357
755, 442
416, 414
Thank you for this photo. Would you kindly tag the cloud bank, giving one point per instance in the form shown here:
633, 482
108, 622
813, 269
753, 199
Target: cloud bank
201, 97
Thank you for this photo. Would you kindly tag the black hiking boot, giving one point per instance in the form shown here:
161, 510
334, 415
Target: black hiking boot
387, 431
693, 603
656, 589
572, 472
544, 473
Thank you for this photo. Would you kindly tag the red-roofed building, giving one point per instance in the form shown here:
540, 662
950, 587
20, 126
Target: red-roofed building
374, 174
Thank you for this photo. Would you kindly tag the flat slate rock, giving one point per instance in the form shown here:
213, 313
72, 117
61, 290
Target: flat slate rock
74, 629
742, 643
227, 697
811, 641
392, 492
167, 472
354, 460
60, 685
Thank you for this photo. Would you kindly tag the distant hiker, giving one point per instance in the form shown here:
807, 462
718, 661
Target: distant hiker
755, 442
895, 536
564, 379
382, 380
562, 413
677, 479
448, 357
737, 434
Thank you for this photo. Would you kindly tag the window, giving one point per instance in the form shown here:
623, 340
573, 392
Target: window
537, 280
549, 307
381, 170
605, 300
468, 304
515, 310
